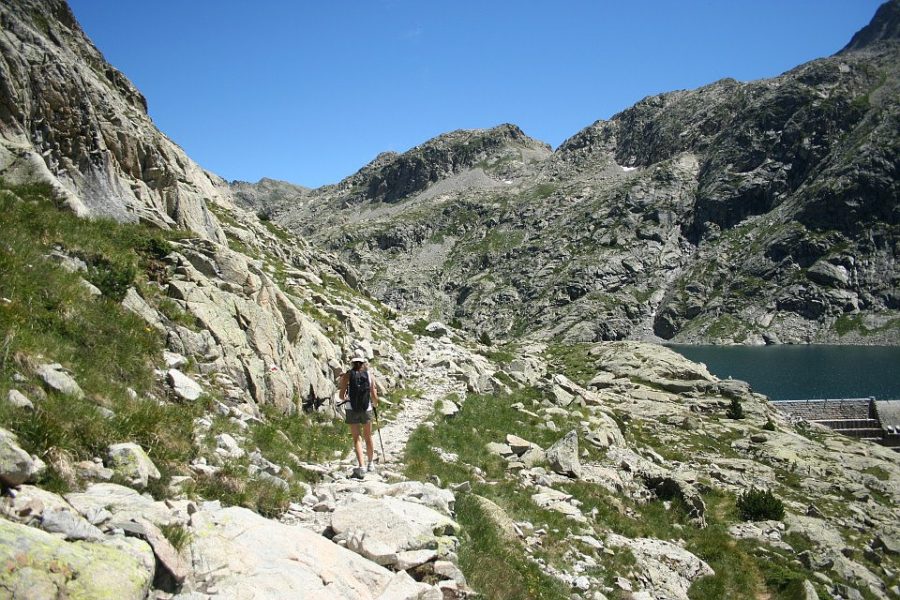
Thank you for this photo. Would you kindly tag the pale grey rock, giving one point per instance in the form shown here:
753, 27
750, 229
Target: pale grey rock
88, 469
125, 504
183, 386
136, 304
890, 543
440, 499
16, 465
239, 550
413, 558
403, 587
55, 568
604, 431
230, 446
533, 456
497, 448
437, 328
400, 526
90, 288
809, 591
602, 380
449, 408
171, 561
55, 377
174, 360
562, 456
560, 396
274, 480
70, 524
516, 444
19, 400
827, 273
448, 570
668, 569
33, 506
128, 460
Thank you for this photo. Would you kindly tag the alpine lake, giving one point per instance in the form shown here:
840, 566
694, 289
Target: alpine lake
805, 372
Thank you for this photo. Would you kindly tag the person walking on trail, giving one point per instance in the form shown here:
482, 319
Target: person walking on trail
358, 392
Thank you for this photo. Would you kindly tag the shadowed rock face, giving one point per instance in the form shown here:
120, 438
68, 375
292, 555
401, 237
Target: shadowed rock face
69, 118
713, 214
885, 27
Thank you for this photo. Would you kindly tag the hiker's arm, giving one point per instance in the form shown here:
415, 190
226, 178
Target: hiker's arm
374, 390
342, 387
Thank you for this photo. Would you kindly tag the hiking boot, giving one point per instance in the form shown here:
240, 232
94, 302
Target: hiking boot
371, 468
358, 473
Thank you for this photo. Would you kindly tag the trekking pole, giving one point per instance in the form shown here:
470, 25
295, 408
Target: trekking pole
378, 428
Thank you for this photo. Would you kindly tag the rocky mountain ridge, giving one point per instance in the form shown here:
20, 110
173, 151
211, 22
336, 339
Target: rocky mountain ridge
758, 212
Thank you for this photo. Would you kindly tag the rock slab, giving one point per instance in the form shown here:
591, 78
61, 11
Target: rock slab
563, 455
42, 565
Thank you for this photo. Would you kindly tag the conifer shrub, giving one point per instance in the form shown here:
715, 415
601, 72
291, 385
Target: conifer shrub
113, 278
735, 410
759, 505
485, 338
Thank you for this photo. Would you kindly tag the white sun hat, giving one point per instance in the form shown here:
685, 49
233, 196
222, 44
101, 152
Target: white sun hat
358, 356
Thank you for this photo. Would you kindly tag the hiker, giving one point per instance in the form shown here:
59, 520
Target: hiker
358, 393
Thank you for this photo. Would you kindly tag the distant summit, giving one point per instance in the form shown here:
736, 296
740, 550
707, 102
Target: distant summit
885, 26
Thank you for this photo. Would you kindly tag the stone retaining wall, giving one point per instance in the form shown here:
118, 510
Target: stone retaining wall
828, 409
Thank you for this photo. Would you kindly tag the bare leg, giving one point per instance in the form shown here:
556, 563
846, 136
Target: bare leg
370, 447
357, 443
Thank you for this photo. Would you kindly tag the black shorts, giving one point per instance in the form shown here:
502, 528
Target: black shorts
358, 417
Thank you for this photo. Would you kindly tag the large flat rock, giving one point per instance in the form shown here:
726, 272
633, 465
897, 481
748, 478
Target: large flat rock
244, 555
42, 565
381, 528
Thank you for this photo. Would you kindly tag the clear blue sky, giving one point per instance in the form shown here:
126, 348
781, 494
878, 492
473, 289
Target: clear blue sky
309, 91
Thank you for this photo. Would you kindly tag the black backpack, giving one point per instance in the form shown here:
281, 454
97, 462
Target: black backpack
358, 390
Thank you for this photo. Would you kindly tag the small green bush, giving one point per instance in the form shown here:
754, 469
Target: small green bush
113, 278
485, 338
759, 505
769, 426
735, 411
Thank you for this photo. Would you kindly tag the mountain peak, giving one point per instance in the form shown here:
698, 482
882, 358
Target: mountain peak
884, 26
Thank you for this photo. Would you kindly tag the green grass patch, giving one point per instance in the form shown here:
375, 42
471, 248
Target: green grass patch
502, 355
494, 567
310, 437
178, 535
846, 324
573, 360
47, 315
877, 472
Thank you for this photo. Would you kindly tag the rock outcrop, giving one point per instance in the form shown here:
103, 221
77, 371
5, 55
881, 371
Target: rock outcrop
71, 119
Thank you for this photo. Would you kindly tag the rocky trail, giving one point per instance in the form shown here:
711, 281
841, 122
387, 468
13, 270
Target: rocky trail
430, 373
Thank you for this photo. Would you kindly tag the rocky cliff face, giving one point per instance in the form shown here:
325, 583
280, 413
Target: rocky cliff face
70, 118
738, 212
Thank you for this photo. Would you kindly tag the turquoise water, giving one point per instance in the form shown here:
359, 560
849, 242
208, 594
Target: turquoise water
800, 372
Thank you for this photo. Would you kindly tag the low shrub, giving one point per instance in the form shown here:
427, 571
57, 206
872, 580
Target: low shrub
735, 410
759, 505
